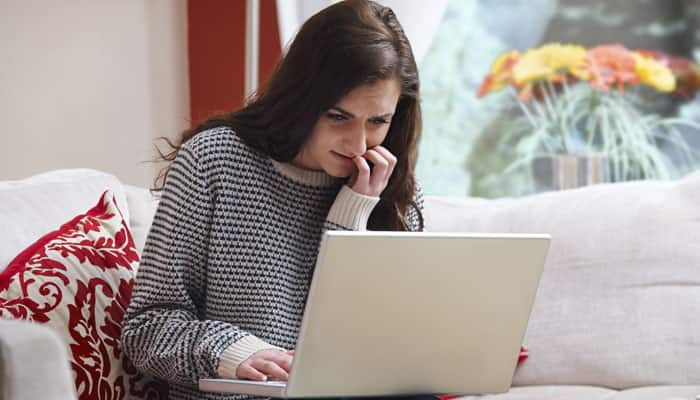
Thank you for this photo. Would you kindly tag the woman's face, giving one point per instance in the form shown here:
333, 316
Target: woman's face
359, 121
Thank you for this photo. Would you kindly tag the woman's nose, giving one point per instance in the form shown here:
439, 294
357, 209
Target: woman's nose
356, 144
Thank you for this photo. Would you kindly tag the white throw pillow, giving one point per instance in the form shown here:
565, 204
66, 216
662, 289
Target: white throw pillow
32, 207
619, 300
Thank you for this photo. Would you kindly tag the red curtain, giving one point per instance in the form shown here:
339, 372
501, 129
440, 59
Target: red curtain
216, 46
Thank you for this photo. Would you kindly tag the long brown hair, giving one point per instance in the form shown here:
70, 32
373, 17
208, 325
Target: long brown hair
346, 45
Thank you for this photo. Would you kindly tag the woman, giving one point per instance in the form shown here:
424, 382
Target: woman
330, 143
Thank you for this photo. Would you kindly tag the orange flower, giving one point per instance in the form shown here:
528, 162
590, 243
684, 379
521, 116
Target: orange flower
500, 75
611, 65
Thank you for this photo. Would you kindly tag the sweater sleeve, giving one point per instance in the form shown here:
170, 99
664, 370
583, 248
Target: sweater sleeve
164, 332
350, 211
415, 215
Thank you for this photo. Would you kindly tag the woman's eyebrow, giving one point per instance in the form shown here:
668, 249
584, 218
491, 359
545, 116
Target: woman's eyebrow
351, 115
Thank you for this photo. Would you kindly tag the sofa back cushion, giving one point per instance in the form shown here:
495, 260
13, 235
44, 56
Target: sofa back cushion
619, 300
142, 208
31, 207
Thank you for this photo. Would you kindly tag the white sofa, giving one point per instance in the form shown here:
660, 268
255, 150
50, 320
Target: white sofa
617, 314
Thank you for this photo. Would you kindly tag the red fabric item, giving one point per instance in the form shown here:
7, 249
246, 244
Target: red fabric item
78, 280
521, 357
524, 354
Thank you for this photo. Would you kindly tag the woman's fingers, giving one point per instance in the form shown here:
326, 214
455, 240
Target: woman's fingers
381, 168
372, 182
283, 359
353, 178
270, 368
387, 155
264, 363
363, 173
246, 371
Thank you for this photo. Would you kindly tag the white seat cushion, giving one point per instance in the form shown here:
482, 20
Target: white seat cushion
32, 207
549, 393
593, 393
664, 392
619, 300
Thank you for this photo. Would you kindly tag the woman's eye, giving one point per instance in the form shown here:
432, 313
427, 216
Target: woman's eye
379, 121
336, 117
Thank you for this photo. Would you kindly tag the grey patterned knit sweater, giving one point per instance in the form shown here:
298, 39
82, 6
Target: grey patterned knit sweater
227, 262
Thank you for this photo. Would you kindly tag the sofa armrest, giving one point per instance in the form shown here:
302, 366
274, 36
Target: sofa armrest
33, 363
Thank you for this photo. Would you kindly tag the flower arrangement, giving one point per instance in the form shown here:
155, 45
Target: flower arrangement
596, 102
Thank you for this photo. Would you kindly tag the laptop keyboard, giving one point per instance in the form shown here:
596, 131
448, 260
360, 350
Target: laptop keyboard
276, 383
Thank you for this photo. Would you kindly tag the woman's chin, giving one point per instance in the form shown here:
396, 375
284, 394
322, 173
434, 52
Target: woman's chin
338, 172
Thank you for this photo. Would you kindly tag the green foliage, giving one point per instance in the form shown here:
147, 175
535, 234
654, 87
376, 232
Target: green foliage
577, 119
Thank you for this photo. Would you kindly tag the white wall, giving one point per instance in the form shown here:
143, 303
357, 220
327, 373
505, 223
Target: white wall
90, 83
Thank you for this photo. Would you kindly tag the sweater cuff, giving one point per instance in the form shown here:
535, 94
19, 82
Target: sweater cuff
351, 209
238, 352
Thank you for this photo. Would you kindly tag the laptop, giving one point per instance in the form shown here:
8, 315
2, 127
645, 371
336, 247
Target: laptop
401, 313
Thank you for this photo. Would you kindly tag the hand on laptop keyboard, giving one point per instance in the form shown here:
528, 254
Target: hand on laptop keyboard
268, 364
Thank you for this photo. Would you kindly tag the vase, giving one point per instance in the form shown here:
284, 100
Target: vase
565, 171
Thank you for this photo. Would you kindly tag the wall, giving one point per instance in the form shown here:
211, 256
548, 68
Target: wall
90, 84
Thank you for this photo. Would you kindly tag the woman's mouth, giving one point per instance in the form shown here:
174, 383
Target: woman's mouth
341, 157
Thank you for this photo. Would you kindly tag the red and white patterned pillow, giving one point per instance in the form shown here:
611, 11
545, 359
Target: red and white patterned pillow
78, 280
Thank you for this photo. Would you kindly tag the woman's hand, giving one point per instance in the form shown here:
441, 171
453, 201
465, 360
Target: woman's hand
270, 362
372, 182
